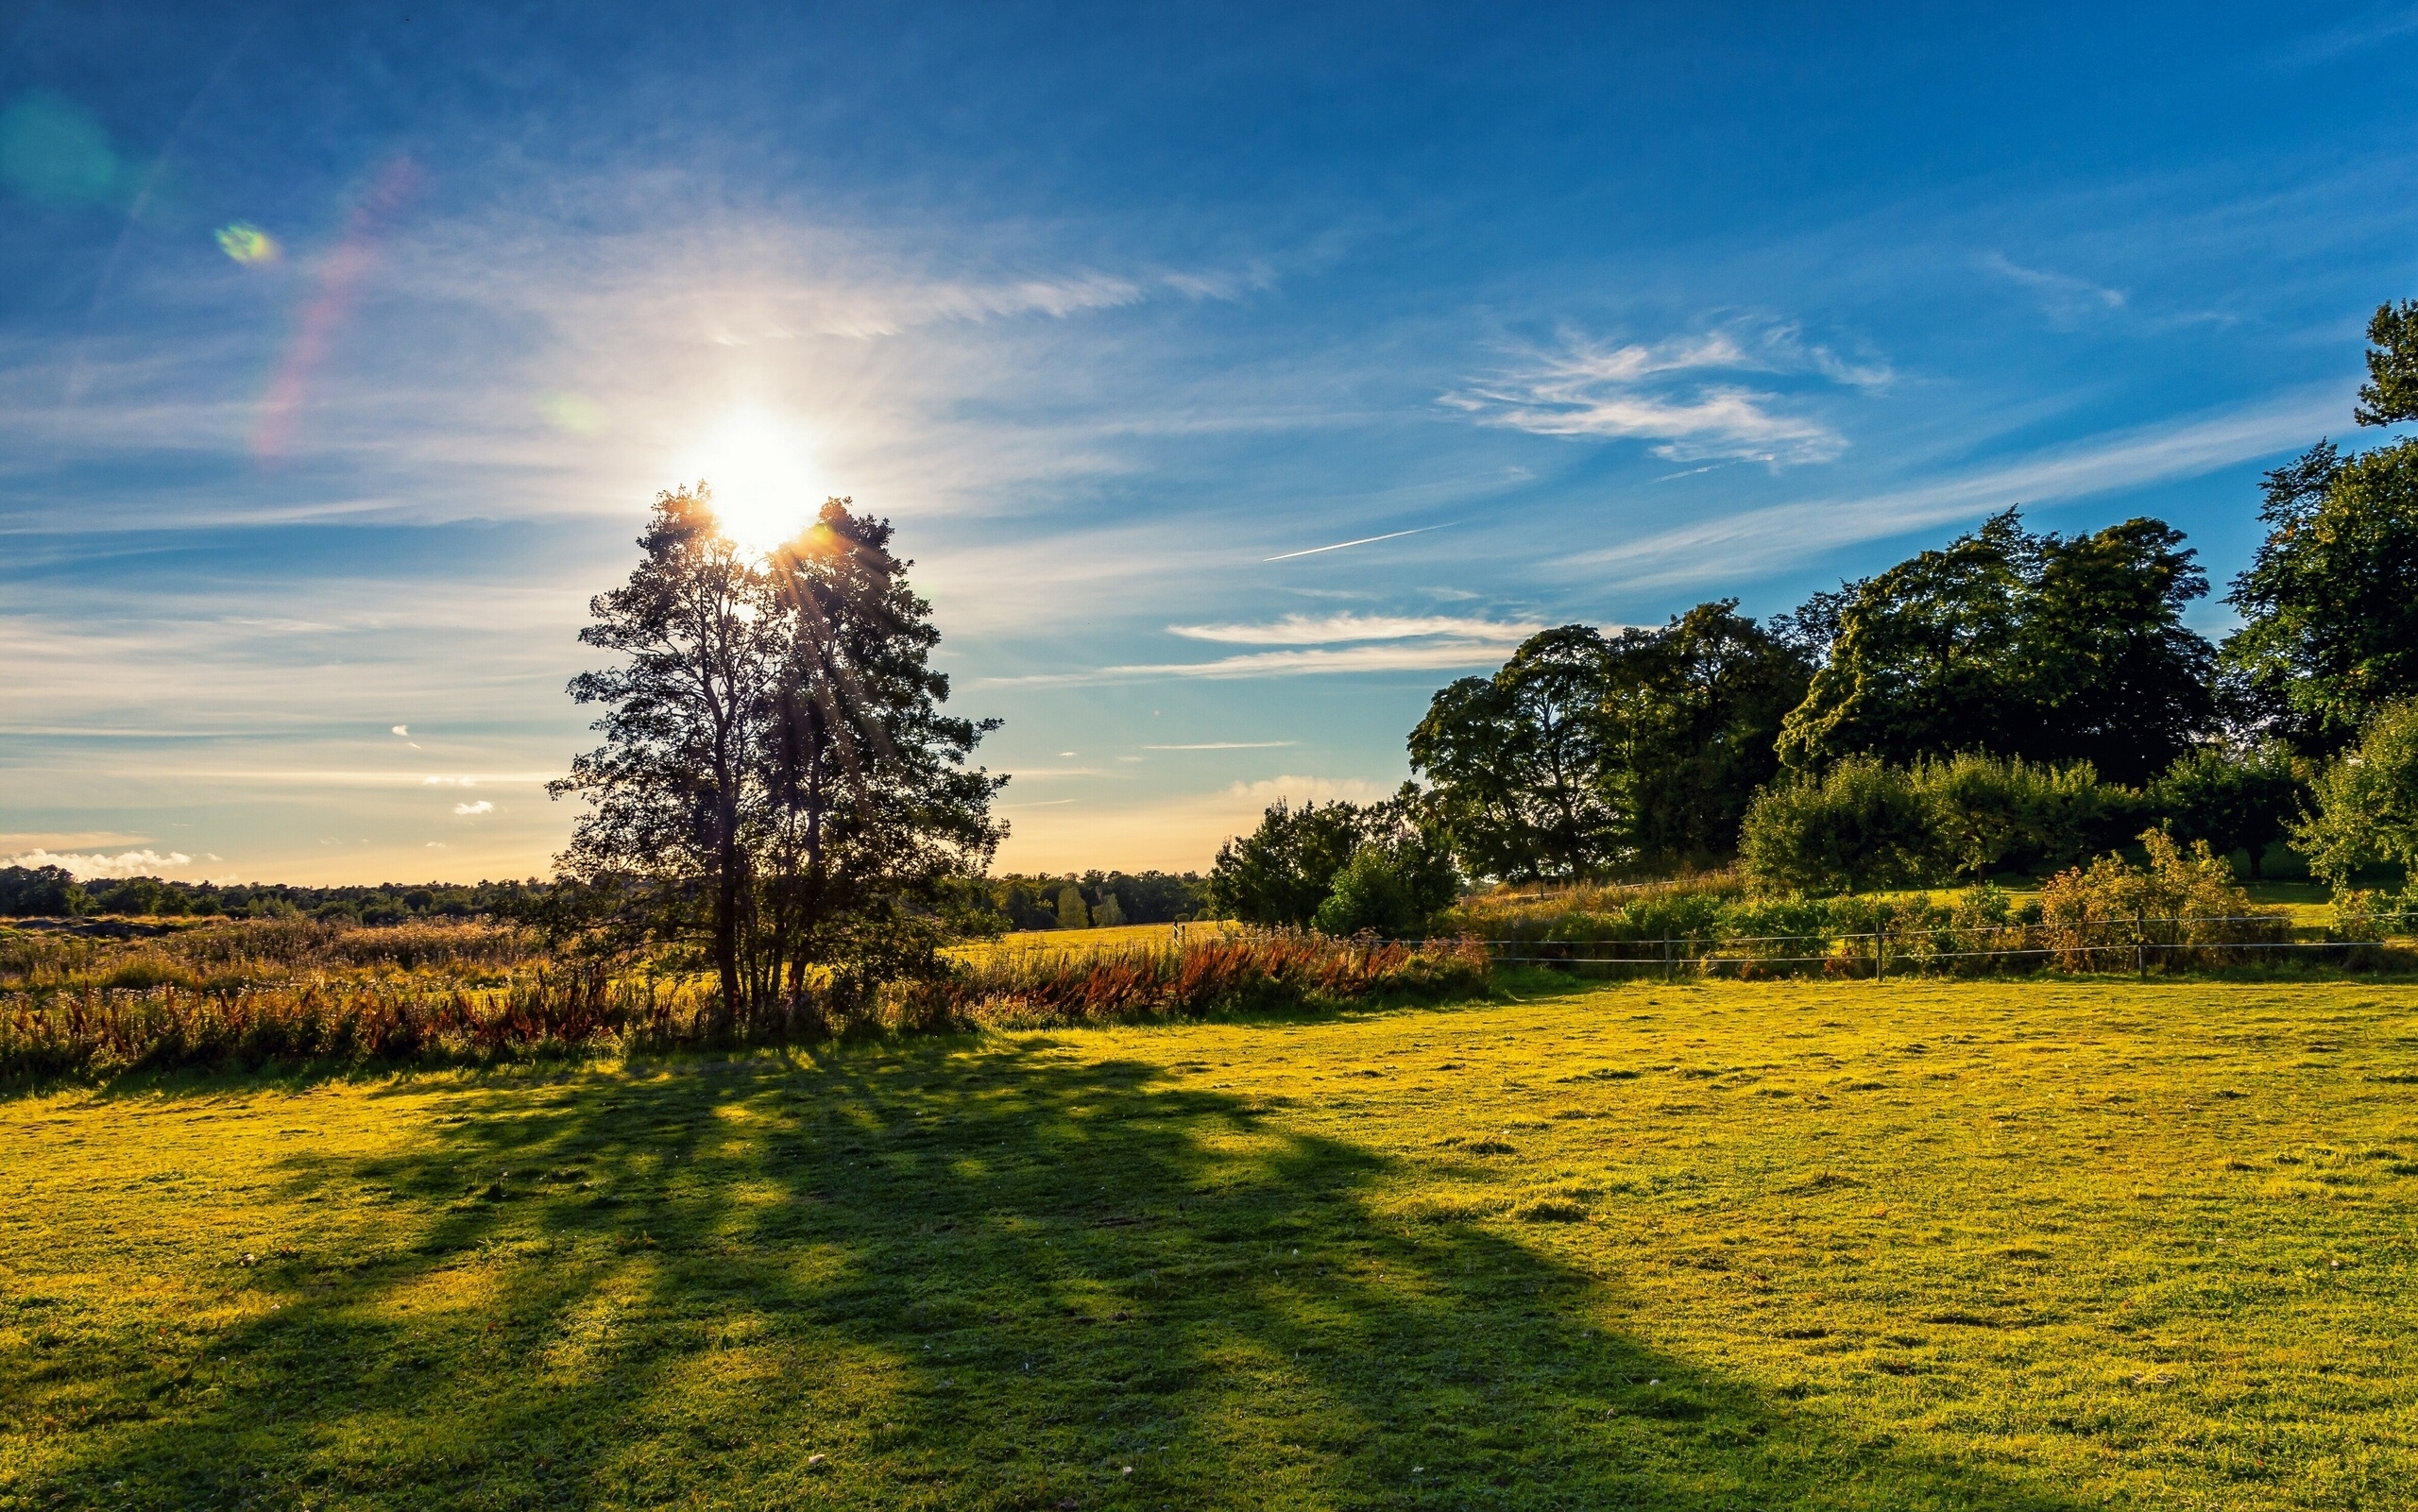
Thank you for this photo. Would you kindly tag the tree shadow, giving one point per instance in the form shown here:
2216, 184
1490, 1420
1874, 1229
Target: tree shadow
965, 1273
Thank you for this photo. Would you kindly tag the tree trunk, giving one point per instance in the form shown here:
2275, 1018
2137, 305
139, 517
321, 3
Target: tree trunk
727, 905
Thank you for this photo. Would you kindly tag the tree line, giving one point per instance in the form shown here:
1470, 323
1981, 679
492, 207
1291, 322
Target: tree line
2011, 699
53, 892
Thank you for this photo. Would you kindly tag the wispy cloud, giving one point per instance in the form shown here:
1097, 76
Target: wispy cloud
1224, 745
1394, 658
90, 867
2066, 299
1742, 545
1313, 630
1660, 391
482, 807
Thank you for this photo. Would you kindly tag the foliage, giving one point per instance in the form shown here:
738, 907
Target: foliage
1584, 755
2052, 648
1283, 872
1521, 762
41, 891
2329, 604
2365, 802
2391, 393
1859, 825
2094, 915
776, 771
1279, 874
2235, 799
1692, 710
1030, 902
1865, 824
1371, 896
1200, 974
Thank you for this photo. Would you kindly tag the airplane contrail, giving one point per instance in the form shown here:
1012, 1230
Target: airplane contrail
1362, 541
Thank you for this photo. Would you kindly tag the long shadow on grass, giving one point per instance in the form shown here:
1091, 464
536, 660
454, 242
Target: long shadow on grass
969, 1274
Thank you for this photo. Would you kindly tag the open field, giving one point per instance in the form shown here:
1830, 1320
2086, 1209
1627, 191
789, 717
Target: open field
2041, 1244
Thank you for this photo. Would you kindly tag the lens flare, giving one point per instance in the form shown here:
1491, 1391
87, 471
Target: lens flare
762, 473
248, 244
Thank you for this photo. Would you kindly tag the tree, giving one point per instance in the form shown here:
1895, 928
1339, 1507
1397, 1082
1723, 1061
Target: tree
777, 776
1519, 762
1280, 872
1693, 712
2329, 604
1288, 870
2236, 800
2390, 393
2048, 647
870, 809
2366, 802
39, 891
1072, 914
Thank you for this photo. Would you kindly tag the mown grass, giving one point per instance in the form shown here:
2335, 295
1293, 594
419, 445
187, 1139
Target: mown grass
2038, 1244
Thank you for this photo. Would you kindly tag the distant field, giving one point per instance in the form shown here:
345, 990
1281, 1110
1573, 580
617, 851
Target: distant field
2043, 1244
1075, 942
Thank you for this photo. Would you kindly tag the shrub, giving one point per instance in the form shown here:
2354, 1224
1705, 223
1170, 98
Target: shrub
1276, 970
1369, 896
1860, 824
2183, 902
1990, 814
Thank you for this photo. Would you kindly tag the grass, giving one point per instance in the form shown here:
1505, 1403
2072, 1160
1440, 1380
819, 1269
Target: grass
2044, 1244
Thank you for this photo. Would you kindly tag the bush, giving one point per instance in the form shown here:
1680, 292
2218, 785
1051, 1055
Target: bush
2183, 901
1860, 824
1368, 897
1867, 825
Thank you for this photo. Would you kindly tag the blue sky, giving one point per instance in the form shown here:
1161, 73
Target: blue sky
342, 349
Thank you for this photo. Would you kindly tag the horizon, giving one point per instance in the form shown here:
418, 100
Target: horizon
1234, 377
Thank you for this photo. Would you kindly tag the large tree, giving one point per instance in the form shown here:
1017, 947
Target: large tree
2046, 647
1692, 710
1520, 762
683, 714
777, 777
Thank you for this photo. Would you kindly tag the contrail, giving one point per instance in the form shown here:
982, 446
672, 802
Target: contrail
1362, 541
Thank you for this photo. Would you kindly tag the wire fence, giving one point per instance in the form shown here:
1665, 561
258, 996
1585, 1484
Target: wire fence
2139, 944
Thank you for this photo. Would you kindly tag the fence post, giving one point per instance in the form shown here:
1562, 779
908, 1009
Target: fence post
1667, 973
2140, 949
1881, 952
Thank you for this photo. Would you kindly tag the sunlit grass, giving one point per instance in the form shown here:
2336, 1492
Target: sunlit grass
2043, 1244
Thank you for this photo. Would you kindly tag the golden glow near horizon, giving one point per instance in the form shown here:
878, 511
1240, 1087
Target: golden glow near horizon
762, 471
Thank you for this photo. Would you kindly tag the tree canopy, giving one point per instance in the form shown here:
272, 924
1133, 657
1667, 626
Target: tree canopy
2046, 647
776, 778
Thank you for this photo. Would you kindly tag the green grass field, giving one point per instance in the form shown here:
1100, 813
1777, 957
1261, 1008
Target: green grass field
2042, 1243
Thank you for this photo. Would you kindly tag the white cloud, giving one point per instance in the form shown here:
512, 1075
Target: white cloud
1655, 392
1311, 630
482, 807
88, 868
404, 730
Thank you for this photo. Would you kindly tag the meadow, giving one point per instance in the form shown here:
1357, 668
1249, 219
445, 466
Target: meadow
2046, 1243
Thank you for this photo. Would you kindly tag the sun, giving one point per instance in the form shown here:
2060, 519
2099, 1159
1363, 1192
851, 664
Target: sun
762, 471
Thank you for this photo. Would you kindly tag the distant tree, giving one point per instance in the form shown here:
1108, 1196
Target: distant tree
1109, 913
1691, 713
41, 891
1280, 872
2236, 800
2048, 647
1073, 913
1522, 763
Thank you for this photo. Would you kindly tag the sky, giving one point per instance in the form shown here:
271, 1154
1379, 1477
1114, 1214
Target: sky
1236, 376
